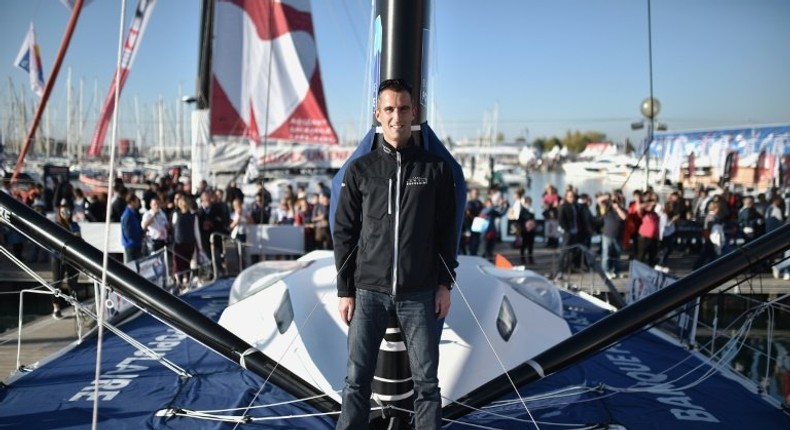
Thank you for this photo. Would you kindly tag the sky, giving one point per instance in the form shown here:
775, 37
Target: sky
523, 68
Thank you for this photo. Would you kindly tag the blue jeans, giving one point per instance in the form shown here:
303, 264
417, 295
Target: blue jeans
610, 254
417, 317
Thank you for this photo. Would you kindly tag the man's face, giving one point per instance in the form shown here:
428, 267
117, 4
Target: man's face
395, 114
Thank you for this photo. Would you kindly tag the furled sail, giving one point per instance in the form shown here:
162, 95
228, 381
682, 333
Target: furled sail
266, 82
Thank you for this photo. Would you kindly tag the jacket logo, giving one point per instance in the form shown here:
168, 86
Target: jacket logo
416, 180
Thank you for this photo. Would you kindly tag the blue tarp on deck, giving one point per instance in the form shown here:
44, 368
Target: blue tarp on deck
58, 395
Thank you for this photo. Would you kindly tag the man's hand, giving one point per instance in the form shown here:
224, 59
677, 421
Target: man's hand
442, 301
346, 308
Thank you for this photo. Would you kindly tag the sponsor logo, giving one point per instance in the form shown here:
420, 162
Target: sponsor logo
416, 180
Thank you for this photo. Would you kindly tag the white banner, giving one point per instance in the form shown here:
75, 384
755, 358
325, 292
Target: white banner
643, 281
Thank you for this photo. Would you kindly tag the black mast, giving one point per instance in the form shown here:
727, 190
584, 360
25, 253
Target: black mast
203, 86
153, 299
404, 28
628, 320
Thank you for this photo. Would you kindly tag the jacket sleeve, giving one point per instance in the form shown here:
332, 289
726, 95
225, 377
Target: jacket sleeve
348, 225
445, 228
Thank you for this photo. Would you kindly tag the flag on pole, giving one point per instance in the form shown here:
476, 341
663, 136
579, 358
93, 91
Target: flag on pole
29, 60
133, 39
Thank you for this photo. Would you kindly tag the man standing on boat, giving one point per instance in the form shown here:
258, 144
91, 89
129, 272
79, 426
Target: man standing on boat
395, 241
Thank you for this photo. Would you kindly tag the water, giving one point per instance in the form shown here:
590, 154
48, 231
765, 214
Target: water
558, 178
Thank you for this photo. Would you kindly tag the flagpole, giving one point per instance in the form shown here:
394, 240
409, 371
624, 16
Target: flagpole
64, 45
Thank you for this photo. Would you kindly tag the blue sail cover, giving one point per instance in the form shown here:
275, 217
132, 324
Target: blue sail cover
58, 395
432, 144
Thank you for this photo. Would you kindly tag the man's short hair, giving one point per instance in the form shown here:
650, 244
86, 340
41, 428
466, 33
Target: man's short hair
396, 85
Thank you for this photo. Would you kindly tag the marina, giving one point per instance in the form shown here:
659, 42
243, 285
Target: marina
219, 272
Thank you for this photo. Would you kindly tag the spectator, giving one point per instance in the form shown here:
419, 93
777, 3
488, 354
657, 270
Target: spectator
648, 232
212, 221
490, 212
750, 222
674, 212
233, 192
473, 208
186, 240
155, 225
258, 210
118, 204
150, 193
525, 225
64, 274
323, 238
80, 205
574, 226
97, 208
239, 219
131, 229
712, 235
284, 214
613, 215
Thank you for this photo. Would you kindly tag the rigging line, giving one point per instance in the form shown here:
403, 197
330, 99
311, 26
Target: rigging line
504, 417
581, 390
238, 419
100, 305
715, 366
485, 336
78, 306
268, 405
296, 336
769, 341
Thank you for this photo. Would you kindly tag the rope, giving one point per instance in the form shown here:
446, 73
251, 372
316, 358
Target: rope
488, 340
249, 351
296, 336
106, 255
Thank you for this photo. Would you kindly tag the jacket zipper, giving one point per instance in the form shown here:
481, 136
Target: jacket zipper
397, 224
389, 198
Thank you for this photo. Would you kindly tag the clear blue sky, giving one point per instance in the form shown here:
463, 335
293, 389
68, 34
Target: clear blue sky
547, 66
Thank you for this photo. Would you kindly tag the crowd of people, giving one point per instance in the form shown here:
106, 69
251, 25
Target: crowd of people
647, 227
169, 214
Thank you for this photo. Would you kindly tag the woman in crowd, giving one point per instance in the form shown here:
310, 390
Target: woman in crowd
239, 219
186, 235
65, 275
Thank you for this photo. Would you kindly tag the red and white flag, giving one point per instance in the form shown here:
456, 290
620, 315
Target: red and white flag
265, 82
29, 60
133, 39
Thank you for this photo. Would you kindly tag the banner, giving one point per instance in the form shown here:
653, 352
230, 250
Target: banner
133, 39
711, 148
29, 60
643, 281
302, 156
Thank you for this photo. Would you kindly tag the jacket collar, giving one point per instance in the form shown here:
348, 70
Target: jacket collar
407, 151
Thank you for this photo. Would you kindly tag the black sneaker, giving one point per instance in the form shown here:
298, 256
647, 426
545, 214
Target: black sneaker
57, 315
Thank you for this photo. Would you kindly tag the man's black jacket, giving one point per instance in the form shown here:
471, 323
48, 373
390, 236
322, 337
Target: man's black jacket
408, 191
